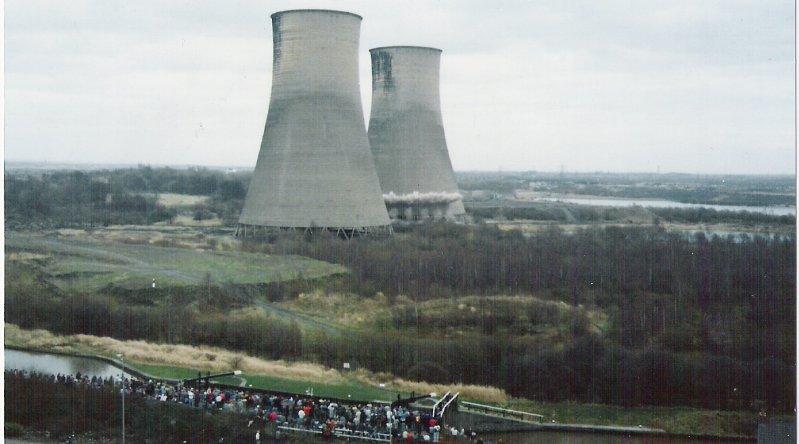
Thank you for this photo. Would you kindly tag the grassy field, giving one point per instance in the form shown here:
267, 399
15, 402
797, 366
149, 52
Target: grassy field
348, 388
86, 265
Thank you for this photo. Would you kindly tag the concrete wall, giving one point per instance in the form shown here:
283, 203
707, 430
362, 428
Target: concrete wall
406, 132
315, 167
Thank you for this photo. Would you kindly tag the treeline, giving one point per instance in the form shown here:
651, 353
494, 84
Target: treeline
75, 200
736, 296
686, 188
226, 190
696, 195
684, 305
461, 260
37, 403
587, 214
712, 216
554, 213
196, 181
31, 305
588, 369
126, 196
592, 370
489, 316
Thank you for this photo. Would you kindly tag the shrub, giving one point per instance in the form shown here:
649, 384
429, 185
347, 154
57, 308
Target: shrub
13, 430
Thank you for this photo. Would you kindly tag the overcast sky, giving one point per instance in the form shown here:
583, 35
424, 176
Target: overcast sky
687, 86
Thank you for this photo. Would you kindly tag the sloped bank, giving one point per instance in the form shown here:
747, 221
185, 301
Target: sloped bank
312, 375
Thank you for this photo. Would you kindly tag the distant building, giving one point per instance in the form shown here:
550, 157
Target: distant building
315, 170
406, 134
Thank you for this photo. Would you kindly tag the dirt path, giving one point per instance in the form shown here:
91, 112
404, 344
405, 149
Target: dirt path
301, 318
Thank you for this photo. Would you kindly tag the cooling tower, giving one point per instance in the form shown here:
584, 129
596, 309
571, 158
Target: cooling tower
406, 134
315, 168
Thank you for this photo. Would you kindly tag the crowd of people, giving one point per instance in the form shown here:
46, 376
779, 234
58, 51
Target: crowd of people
281, 414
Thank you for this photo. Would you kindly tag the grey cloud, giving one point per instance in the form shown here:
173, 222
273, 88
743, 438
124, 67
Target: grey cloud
613, 85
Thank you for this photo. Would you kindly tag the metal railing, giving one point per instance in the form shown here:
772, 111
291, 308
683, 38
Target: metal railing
435, 406
499, 411
342, 433
451, 400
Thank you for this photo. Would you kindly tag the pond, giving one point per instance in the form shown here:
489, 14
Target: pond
54, 364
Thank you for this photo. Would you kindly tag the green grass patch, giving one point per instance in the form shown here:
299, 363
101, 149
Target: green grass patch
165, 371
351, 389
348, 390
90, 266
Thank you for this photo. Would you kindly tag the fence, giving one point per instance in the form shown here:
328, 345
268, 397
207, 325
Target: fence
498, 411
342, 433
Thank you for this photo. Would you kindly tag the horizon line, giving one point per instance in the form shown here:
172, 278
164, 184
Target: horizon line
120, 165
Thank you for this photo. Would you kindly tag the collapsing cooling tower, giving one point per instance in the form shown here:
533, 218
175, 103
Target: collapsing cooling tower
406, 134
315, 169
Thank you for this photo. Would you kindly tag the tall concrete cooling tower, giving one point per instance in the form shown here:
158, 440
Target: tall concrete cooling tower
406, 134
315, 168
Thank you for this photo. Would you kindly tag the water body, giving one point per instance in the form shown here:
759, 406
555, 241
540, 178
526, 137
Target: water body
591, 438
54, 364
656, 203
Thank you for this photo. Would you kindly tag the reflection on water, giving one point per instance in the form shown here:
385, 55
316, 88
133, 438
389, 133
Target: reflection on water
53, 364
590, 438
655, 203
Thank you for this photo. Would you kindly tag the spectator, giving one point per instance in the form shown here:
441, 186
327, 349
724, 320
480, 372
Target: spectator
270, 411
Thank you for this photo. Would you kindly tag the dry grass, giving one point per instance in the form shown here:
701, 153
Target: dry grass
344, 309
196, 357
180, 200
480, 393
22, 256
38, 339
188, 221
188, 237
213, 358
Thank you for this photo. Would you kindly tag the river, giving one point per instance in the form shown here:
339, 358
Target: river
657, 203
